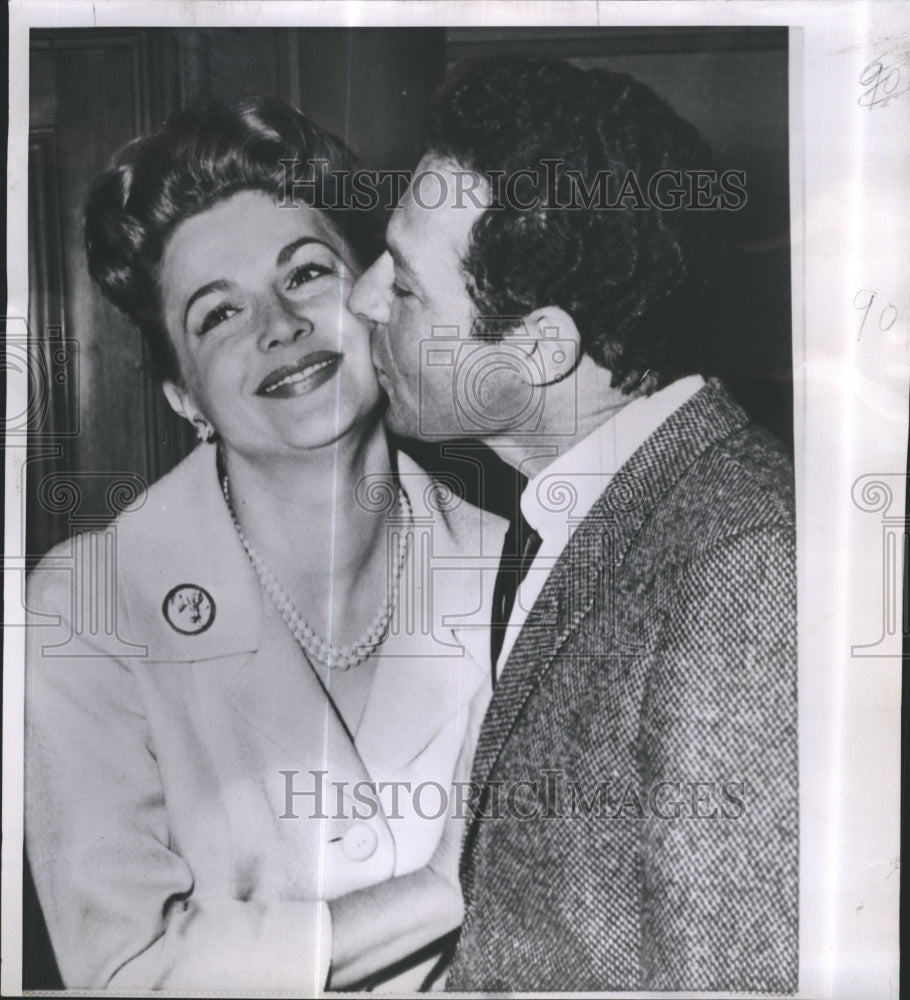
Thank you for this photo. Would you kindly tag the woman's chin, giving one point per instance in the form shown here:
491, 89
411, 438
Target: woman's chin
301, 437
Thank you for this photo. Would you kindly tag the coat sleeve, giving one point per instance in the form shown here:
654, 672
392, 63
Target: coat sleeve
117, 897
719, 846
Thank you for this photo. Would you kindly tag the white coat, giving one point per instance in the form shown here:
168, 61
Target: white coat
171, 717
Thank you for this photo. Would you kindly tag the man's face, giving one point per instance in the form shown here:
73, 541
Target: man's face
415, 295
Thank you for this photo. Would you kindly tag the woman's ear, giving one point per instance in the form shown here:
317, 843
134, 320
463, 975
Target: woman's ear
553, 342
182, 403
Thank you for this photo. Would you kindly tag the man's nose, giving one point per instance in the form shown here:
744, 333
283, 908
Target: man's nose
372, 293
282, 326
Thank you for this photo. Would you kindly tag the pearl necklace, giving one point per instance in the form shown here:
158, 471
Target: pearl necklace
312, 643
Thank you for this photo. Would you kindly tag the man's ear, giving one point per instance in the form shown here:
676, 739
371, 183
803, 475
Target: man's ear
551, 341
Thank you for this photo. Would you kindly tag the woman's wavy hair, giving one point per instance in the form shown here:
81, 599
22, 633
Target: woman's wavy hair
198, 157
634, 281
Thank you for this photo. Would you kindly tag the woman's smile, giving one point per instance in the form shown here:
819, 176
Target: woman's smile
310, 372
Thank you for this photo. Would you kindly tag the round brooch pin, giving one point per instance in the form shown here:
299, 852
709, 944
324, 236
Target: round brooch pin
189, 609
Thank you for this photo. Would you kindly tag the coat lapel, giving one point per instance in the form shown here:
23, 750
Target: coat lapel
437, 658
587, 568
245, 658
179, 537
580, 576
281, 694
435, 666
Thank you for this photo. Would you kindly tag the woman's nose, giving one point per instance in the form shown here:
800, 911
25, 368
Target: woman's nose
372, 293
282, 327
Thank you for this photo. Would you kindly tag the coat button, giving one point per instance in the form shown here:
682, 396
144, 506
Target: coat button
359, 842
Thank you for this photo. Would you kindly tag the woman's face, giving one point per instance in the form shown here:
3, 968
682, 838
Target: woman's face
255, 301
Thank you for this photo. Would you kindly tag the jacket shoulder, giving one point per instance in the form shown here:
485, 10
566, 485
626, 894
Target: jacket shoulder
745, 482
741, 484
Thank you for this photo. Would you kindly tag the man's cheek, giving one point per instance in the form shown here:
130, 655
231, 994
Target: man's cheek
411, 358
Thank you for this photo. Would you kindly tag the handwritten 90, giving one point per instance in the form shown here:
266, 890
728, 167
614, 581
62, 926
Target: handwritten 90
882, 83
887, 315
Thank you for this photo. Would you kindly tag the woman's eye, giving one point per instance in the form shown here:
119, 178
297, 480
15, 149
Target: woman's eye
399, 292
306, 273
217, 316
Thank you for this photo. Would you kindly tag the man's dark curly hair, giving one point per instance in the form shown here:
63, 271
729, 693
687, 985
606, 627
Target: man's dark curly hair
198, 157
634, 281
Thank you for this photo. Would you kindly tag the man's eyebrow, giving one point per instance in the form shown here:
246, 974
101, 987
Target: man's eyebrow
219, 285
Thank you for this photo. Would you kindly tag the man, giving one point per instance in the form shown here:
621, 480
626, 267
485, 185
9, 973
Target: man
636, 817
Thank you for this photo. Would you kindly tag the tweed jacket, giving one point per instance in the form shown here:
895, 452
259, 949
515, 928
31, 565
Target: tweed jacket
637, 766
175, 751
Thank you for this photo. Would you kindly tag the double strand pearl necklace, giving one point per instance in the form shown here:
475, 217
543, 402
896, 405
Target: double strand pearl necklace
312, 643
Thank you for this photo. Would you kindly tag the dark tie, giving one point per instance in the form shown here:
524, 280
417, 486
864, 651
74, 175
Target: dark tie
520, 547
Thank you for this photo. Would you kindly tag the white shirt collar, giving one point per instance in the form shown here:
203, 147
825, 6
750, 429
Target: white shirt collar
561, 495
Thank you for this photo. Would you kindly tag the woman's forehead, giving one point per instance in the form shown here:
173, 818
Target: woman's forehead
247, 230
255, 216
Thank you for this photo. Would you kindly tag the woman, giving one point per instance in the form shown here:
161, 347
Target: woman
208, 781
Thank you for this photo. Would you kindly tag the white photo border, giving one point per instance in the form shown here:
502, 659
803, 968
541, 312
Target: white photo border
850, 213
